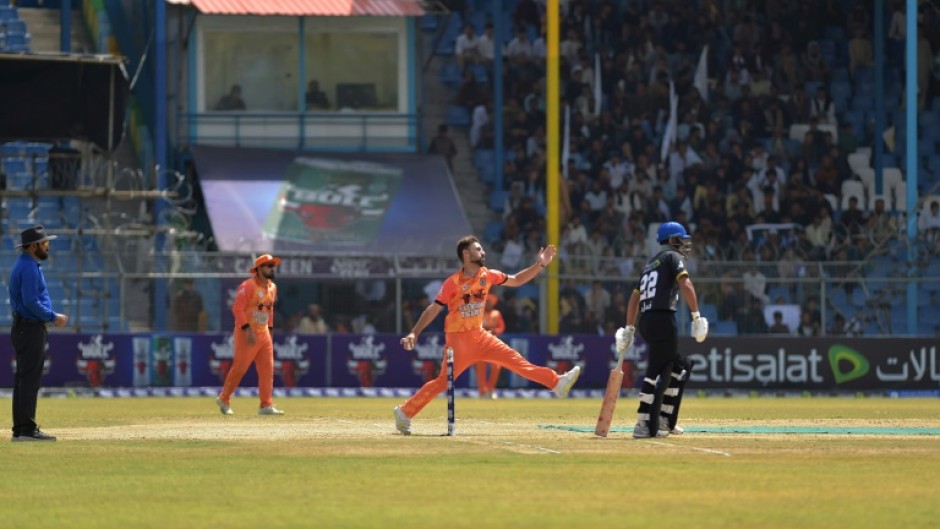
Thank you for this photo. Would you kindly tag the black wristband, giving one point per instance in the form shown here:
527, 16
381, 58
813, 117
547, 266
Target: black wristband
246, 326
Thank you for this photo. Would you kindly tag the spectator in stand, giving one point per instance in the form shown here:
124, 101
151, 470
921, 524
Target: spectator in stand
597, 300
807, 327
838, 325
485, 47
527, 13
853, 219
827, 176
519, 48
881, 226
819, 233
929, 224
752, 320
788, 71
312, 322
860, 54
444, 145
469, 93
778, 326
755, 282
466, 47
481, 118
823, 108
798, 106
815, 64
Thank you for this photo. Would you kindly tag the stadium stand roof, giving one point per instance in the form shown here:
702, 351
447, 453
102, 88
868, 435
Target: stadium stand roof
338, 8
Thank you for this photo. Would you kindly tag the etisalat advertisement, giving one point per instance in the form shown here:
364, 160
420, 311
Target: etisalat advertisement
378, 361
815, 364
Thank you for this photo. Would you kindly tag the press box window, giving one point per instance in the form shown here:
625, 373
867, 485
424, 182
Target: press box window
352, 72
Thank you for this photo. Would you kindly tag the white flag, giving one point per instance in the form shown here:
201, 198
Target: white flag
701, 75
669, 136
598, 94
565, 147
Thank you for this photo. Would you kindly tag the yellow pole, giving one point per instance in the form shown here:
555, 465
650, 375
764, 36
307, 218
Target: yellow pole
553, 165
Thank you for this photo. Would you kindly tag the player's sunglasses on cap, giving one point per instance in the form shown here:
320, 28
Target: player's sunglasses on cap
264, 260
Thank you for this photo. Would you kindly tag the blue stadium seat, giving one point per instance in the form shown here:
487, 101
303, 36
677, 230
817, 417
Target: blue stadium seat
779, 292
840, 75
8, 13
458, 116
450, 73
480, 74
16, 26
497, 200
863, 103
709, 311
838, 90
493, 231
17, 42
477, 19
864, 75
15, 165
929, 118
483, 158
725, 328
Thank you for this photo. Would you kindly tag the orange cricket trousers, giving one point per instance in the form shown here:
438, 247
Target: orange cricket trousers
262, 354
484, 383
475, 346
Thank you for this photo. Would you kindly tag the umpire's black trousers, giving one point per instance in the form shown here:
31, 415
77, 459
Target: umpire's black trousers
29, 342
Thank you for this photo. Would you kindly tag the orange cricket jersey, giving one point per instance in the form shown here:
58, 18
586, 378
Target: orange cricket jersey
465, 298
254, 304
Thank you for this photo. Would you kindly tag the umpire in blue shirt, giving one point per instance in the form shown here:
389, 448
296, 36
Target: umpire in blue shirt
32, 312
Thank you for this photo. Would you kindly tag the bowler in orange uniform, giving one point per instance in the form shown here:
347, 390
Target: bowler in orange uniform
464, 294
254, 318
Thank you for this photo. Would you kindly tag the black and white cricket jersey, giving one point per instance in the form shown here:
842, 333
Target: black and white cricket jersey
659, 282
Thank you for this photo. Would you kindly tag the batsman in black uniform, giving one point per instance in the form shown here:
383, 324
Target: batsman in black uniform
654, 299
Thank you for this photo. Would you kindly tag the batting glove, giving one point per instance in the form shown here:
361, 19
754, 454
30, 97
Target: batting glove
624, 338
699, 327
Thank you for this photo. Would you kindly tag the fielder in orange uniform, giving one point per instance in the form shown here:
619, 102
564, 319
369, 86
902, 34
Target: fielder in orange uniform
463, 294
254, 318
493, 323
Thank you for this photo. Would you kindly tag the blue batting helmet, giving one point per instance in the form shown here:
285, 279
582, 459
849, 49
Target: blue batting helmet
668, 230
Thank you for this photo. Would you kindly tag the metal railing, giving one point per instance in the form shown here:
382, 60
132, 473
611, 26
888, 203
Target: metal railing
337, 131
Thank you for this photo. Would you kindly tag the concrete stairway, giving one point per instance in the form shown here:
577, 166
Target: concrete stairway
474, 194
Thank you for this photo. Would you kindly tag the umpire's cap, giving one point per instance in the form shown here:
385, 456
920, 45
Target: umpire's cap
34, 235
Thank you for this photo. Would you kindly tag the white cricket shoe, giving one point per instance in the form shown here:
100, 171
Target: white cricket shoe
270, 410
402, 422
223, 407
567, 380
642, 431
664, 426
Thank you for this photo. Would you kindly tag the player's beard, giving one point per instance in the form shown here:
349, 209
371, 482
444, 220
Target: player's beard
267, 273
479, 262
42, 253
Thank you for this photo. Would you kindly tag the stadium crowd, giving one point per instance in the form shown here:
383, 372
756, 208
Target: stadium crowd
737, 162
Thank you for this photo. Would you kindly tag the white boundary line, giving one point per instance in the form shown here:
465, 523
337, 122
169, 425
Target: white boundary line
706, 450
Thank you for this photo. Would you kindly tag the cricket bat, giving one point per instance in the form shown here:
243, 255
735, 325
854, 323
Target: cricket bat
614, 382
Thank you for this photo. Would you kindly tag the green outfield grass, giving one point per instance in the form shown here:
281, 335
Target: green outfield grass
178, 463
